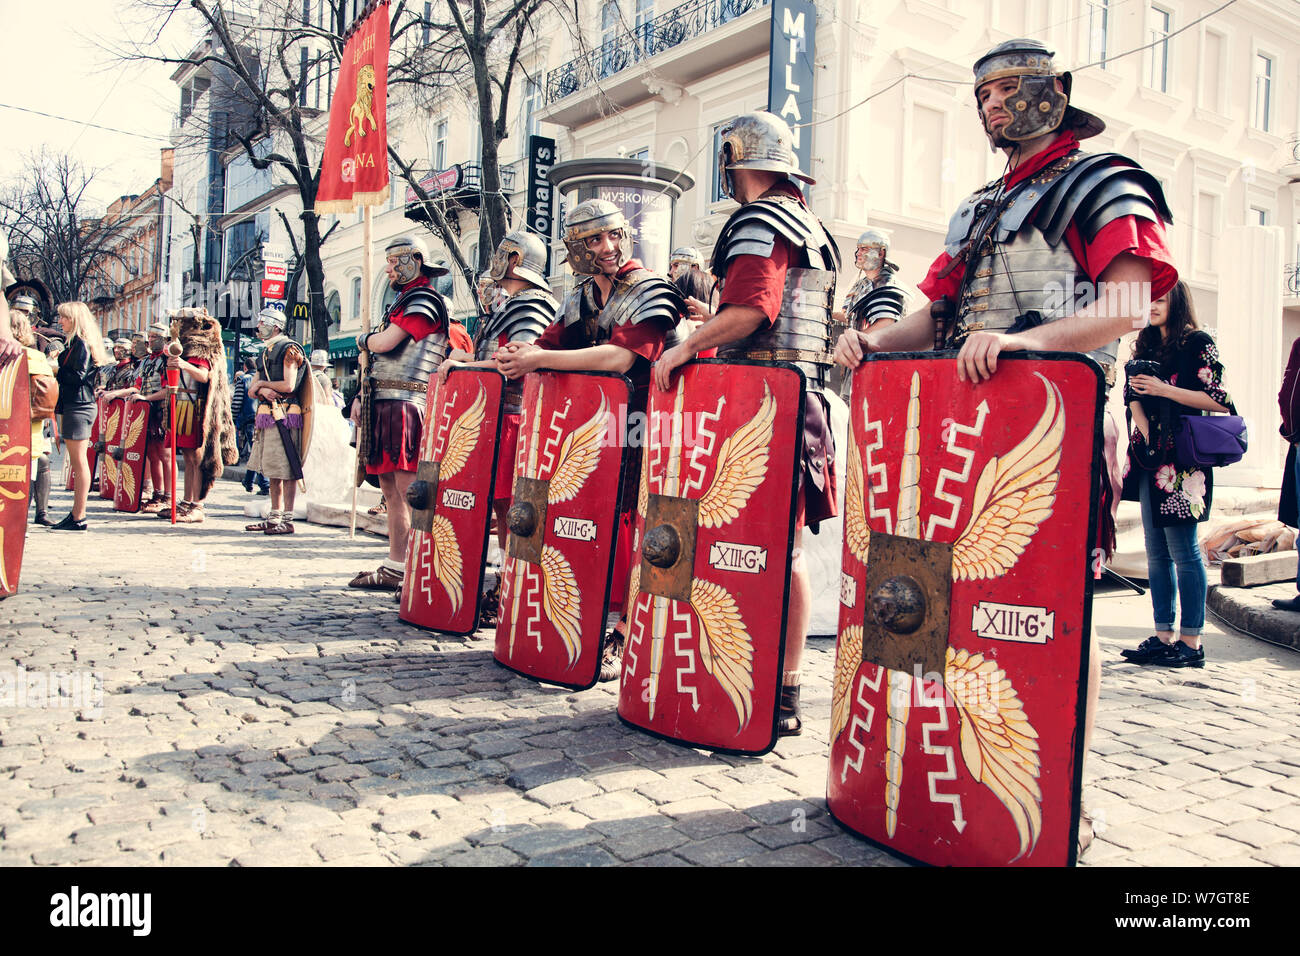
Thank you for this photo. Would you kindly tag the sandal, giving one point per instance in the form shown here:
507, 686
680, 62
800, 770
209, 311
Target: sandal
489, 607
280, 527
191, 515
379, 509
156, 504
182, 508
381, 579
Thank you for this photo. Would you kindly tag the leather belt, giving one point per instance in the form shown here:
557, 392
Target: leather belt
783, 355
405, 385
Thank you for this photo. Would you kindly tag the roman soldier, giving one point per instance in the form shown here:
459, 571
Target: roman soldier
205, 430
1063, 252
520, 309
408, 346
149, 387
282, 390
777, 265
618, 318
683, 259
877, 294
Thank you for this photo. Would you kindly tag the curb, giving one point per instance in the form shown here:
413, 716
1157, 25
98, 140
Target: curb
1250, 610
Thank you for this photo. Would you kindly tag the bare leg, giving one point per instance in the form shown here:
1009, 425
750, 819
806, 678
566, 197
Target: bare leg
80, 476
277, 493
800, 610
288, 491
394, 485
191, 473
500, 506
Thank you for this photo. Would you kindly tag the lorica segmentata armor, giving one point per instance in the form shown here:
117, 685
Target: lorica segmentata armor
521, 318
402, 373
802, 332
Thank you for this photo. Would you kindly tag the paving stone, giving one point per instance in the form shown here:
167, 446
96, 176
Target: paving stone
798, 855
1257, 833
574, 856
721, 849
535, 841
562, 792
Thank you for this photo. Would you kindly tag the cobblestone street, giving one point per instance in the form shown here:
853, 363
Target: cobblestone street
256, 711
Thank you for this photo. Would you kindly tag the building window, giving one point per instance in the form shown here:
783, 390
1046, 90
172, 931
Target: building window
1257, 217
356, 298
645, 12
1162, 24
1211, 71
718, 193
1263, 92
1098, 31
1207, 231
425, 25
302, 76
438, 156
609, 19
531, 103
335, 310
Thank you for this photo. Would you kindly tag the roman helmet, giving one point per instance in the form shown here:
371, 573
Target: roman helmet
531, 265
319, 358
759, 140
27, 304
1037, 106
403, 247
270, 323
876, 244
685, 255
591, 218
161, 331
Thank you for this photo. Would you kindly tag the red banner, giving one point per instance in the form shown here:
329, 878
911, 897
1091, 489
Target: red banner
354, 168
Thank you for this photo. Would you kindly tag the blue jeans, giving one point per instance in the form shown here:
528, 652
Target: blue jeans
1175, 570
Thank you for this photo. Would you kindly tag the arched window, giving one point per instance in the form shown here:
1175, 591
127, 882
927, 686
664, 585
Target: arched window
356, 298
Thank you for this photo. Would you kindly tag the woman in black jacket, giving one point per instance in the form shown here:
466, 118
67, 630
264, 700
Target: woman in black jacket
1176, 371
78, 369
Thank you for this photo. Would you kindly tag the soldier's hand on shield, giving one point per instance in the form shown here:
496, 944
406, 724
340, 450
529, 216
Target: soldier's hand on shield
517, 359
9, 351
445, 368
669, 362
851, 348
978, 358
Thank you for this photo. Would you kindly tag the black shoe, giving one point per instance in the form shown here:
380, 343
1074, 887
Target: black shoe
611, 660
248, 486
1145, 651
69, 524
789, 724
42, 520
1179, 654
1288, 604
263, 492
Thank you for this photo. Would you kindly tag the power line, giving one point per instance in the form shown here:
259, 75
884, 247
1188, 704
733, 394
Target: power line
69, 119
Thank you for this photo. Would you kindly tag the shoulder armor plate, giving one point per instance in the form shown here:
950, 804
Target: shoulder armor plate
753, 228
642, 295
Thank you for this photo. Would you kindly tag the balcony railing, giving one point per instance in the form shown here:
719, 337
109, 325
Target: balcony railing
664, 32
1291, 279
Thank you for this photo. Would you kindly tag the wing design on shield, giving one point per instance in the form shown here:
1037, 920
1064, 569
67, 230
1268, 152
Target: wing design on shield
446, 559
958, 631
562, 521
1013, 497
15, 469
707, 589
998, 745
450, 501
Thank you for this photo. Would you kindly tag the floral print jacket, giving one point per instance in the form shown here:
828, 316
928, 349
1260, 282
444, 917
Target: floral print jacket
1178, 495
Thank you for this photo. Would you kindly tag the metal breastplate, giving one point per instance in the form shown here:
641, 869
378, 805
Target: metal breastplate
521, 318
408, 367
801, 333
1024, 275
151, 371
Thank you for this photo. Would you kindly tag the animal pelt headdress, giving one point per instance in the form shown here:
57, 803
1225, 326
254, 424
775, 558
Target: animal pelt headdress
199, 335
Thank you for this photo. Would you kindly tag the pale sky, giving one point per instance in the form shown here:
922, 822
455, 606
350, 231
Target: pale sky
51, 60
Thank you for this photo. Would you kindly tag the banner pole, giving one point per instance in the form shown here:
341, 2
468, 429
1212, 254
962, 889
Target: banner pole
367, 240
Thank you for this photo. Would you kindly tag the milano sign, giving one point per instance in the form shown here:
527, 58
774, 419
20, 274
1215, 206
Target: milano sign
790, 71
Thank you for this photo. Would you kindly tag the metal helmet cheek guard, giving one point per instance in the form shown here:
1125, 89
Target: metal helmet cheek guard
530, 267
591, 218
759, 140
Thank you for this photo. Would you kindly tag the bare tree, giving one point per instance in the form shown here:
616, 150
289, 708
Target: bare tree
54, 232
277, 62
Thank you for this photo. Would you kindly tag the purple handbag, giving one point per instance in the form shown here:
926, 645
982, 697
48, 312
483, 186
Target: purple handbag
1209, 441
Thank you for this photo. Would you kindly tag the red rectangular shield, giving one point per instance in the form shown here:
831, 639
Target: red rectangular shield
710, 581
451, 501
111, 437
555, 585
15, 469
965, 608
131, 452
